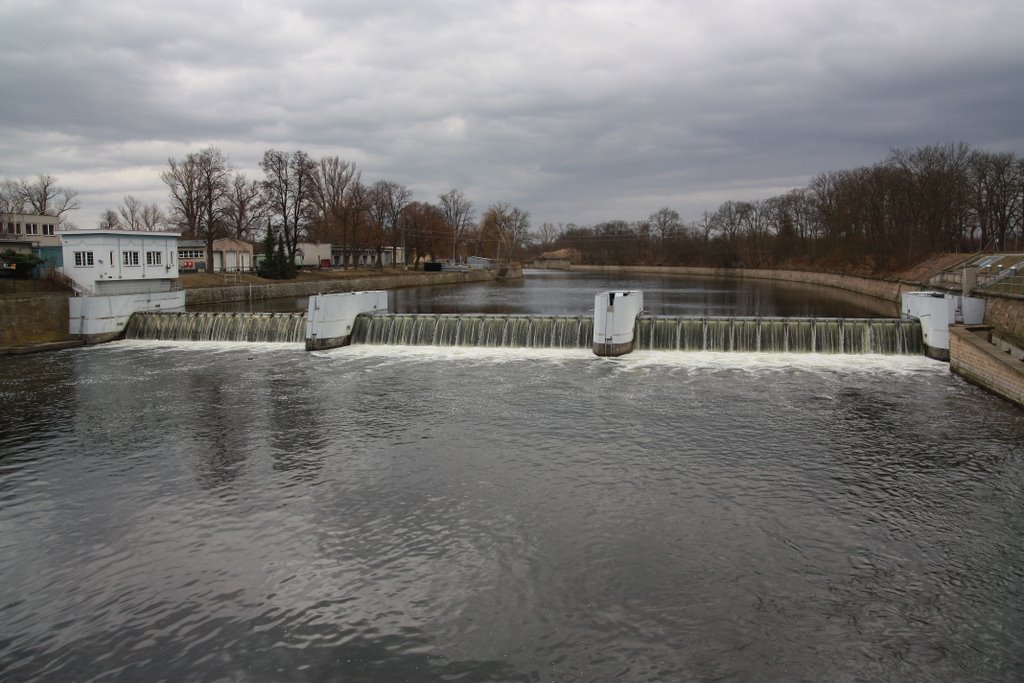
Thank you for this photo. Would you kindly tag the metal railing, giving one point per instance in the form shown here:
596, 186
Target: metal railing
1006, 284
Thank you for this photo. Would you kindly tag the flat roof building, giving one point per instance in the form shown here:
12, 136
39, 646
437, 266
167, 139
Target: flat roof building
107, 262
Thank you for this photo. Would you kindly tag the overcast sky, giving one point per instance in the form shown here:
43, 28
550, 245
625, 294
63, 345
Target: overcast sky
574, 111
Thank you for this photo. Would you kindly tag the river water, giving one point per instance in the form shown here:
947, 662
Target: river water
572, 293
230, 512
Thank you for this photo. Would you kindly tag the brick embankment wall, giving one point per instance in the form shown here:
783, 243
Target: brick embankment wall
888, 290
33, 319
212, 295
974, 358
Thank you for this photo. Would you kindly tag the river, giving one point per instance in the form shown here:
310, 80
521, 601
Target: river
231, 512
572, 293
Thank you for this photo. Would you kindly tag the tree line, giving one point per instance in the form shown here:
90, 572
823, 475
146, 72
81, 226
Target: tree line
914, 203
304, 199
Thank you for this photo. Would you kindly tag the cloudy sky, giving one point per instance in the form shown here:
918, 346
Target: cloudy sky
576, 111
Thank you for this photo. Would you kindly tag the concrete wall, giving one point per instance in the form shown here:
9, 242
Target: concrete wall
211, 295
973, 357
102, 318
33, 319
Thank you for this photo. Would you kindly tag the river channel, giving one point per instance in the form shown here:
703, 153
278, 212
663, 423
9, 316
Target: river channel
236, 512
569, 293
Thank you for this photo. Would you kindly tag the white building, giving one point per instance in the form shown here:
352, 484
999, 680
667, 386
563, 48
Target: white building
108, 262
313, 254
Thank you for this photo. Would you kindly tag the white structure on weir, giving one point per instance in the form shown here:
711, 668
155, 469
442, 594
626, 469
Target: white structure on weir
120, 261
116, 273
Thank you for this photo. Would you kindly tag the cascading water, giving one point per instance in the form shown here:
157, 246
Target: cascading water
770, 335
662, 333
237, 327
571, 332
780, 335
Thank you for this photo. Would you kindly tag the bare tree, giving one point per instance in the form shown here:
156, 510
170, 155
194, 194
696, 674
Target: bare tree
358, 223
995, 198
11, 200
458, 216
152, 217
665, 222
288, 192
199, 185
424, 229
244, 208
387, 200
109, 220
506, 226
331, 181
41, 196
131, 213
182, 180
548, 234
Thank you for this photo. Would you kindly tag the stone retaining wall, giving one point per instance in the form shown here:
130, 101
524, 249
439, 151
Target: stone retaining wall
976, 359
33, 319
1005, 311
213, 295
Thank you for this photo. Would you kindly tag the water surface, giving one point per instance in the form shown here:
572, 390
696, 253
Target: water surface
543, 292
256, 513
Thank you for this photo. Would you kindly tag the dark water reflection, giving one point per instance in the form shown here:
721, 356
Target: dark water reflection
230, 512
567, 293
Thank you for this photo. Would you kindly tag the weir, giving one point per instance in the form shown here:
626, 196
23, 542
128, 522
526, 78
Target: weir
661, 333
523, 331
238, 327
890, 336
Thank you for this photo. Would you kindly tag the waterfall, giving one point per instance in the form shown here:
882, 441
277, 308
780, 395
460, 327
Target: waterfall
663, 333
568, 332
771, 335
780, 335
237, 327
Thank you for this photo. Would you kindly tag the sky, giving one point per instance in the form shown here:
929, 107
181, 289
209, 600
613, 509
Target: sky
578, 111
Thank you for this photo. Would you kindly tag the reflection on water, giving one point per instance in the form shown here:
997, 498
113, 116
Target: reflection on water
566, 293
253, 512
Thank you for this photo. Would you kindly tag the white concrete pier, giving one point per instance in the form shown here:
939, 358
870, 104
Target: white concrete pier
936, 311
615, 315
330, 317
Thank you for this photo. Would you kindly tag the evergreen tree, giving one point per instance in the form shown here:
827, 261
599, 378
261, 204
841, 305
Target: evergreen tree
267, 268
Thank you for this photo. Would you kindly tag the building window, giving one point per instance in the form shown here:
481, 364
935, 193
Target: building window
191, 253
48, 229
83, 258
130, 258
10, 228
31, 229
152, 258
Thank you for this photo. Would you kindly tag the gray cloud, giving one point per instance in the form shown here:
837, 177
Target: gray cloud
575, 111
